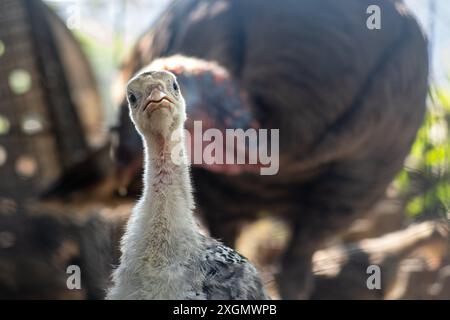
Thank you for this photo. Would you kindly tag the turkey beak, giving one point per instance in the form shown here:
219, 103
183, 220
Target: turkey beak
156, 95
155, 100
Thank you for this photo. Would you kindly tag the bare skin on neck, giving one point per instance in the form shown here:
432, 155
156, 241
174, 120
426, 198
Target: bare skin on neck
158, 160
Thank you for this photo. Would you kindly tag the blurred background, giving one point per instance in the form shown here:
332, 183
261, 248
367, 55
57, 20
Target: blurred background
70, 167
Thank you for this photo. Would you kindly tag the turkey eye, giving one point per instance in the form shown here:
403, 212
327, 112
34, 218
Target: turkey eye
132, 98
175, 86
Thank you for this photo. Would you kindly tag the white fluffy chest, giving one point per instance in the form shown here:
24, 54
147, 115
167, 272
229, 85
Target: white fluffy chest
171, 282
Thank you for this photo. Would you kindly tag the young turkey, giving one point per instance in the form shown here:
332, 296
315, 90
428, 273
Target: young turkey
163, 254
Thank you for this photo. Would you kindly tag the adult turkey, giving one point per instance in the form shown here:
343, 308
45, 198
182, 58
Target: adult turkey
347, 100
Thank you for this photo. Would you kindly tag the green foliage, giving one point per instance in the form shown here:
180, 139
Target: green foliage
425, 181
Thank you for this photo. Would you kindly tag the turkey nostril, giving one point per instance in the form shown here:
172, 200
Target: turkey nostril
156, 95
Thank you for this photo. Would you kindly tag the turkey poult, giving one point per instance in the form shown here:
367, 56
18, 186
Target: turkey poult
163, 254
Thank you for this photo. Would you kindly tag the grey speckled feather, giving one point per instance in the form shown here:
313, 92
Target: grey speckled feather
228, 275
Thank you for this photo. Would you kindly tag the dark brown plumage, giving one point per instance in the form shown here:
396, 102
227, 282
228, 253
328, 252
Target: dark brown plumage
348, 102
